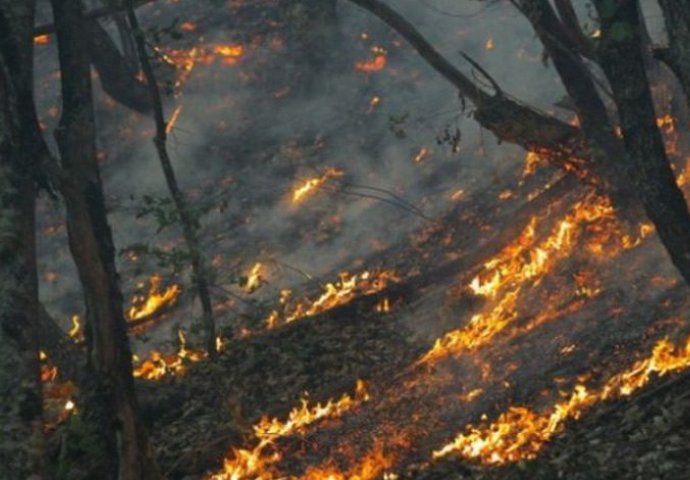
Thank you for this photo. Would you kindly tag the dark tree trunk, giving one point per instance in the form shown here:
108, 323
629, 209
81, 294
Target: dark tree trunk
623, 63
677, 54
21, 445
608, 153
92, 247
571, 27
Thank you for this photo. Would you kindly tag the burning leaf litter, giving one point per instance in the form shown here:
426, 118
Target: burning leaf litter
307, 188
522, 263
341, 292
256, 463
520, 433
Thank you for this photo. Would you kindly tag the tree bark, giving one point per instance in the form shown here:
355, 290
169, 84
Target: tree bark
607, 151
677, 54
95, 14
91, 244
623, 63
190, 226
21, 415
571, 26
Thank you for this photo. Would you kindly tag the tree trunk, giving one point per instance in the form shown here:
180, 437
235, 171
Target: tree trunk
608, 154
92, 247
623, 63
21, 446
677, 54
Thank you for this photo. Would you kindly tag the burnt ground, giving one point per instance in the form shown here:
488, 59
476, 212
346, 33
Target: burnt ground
248, 146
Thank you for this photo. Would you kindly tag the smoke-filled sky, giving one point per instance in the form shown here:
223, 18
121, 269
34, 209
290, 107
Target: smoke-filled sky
248, 132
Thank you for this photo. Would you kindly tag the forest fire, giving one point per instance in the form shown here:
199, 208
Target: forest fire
352, 190
155, 301
525, 262
305, 189
520, 433
256, 463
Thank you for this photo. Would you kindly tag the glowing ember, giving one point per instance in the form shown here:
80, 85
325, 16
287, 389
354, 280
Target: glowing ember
421, 155
145, 306
532, 161
341, 292
384, 306
173, 119
489, 44
457, 195
520, 433
257, 463
308, 187
188, 26
370, 66
230, 53
41, 40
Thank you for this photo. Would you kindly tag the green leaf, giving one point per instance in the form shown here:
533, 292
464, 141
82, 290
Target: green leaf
620, 31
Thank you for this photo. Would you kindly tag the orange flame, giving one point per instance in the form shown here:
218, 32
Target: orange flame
522, 262
308, 187
254, 279
257, 462
520, 433
341, 292
371, 466
41, 40
158, 365
230, 53
145, 306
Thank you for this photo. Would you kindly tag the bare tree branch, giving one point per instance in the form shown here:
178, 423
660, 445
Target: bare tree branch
511, 121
